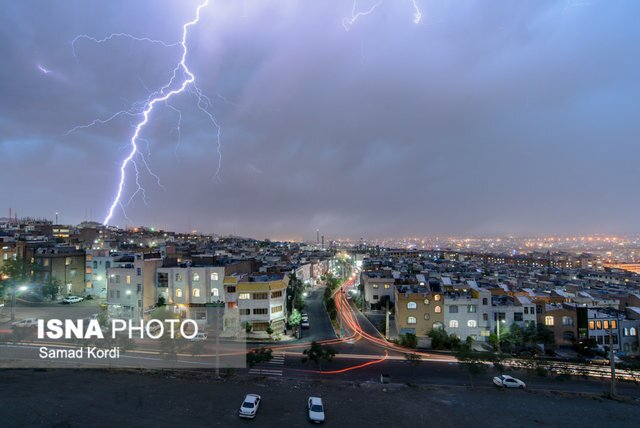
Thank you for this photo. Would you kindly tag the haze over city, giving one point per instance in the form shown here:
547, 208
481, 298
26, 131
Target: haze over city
514, 118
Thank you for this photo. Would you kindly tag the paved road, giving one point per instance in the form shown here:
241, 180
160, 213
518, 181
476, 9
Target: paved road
66, 398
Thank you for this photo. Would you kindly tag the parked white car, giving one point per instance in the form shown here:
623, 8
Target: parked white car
199, 337
250, 406
27, 322
72, 299
316, 410
506, 381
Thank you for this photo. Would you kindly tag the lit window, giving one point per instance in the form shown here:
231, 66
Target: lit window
453, 324
178, 292
387, 286
437, 309
196, 277
411, 320
548, 320
374, 286
244, 296
412, 305
438, 326
215, 292
426, 301
614, 324
606, 325
472, 323
196, 292
471, 309
214, 276
128, 279
592, 325
632, 331
599, 325
436, 297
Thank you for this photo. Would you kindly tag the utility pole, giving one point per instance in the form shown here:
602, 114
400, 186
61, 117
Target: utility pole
386, 314
612, 359
217, 341
13, 303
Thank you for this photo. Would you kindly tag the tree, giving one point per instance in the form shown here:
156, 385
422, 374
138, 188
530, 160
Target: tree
318, 353
259, 355
14, 273
52, 289
295, 318
294, 293
408, 340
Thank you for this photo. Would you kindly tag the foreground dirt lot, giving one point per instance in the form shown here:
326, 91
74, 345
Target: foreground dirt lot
106, 399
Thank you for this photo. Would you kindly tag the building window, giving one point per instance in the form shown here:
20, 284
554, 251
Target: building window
548, 320
614, 324
276, 309
67, 261
412, 305
438, 325
196, 277
518, 317
453, 324
244, 296
260, 311
632, 331
485, 301
436, 297
411, 320
437, 309
128, 279
567, 321
215, 292
427, 316
231, 289
196, 292
276, 294
138, 271
485, 317
214, 276
178, 277
471, 309
387, 286
599, 325
374, 286
592, 325
453, 309
526, 310
472, 323
375, 297
245, 311
625, 331
117, 294
178, 292
260, 296
95, 265
426, 301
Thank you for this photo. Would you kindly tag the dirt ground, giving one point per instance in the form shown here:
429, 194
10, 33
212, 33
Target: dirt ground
85, 398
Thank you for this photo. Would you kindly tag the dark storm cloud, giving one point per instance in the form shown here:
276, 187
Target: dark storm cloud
488, 117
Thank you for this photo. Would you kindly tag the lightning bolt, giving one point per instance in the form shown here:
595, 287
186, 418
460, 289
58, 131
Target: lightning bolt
43, 69
347, 22
182, 80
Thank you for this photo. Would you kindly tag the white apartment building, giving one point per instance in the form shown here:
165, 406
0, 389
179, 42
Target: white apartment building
192, 291
97, 263
467, 311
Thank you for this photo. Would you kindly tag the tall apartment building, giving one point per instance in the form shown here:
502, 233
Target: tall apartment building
467, 311
192, 291
418, 308
131, 285
255, 299
97, 263
62, 263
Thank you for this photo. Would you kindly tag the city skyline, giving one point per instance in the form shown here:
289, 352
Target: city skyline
476, 121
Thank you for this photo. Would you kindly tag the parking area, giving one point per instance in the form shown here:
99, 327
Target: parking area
70, 398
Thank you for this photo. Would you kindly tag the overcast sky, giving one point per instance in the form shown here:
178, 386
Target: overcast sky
487, 117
